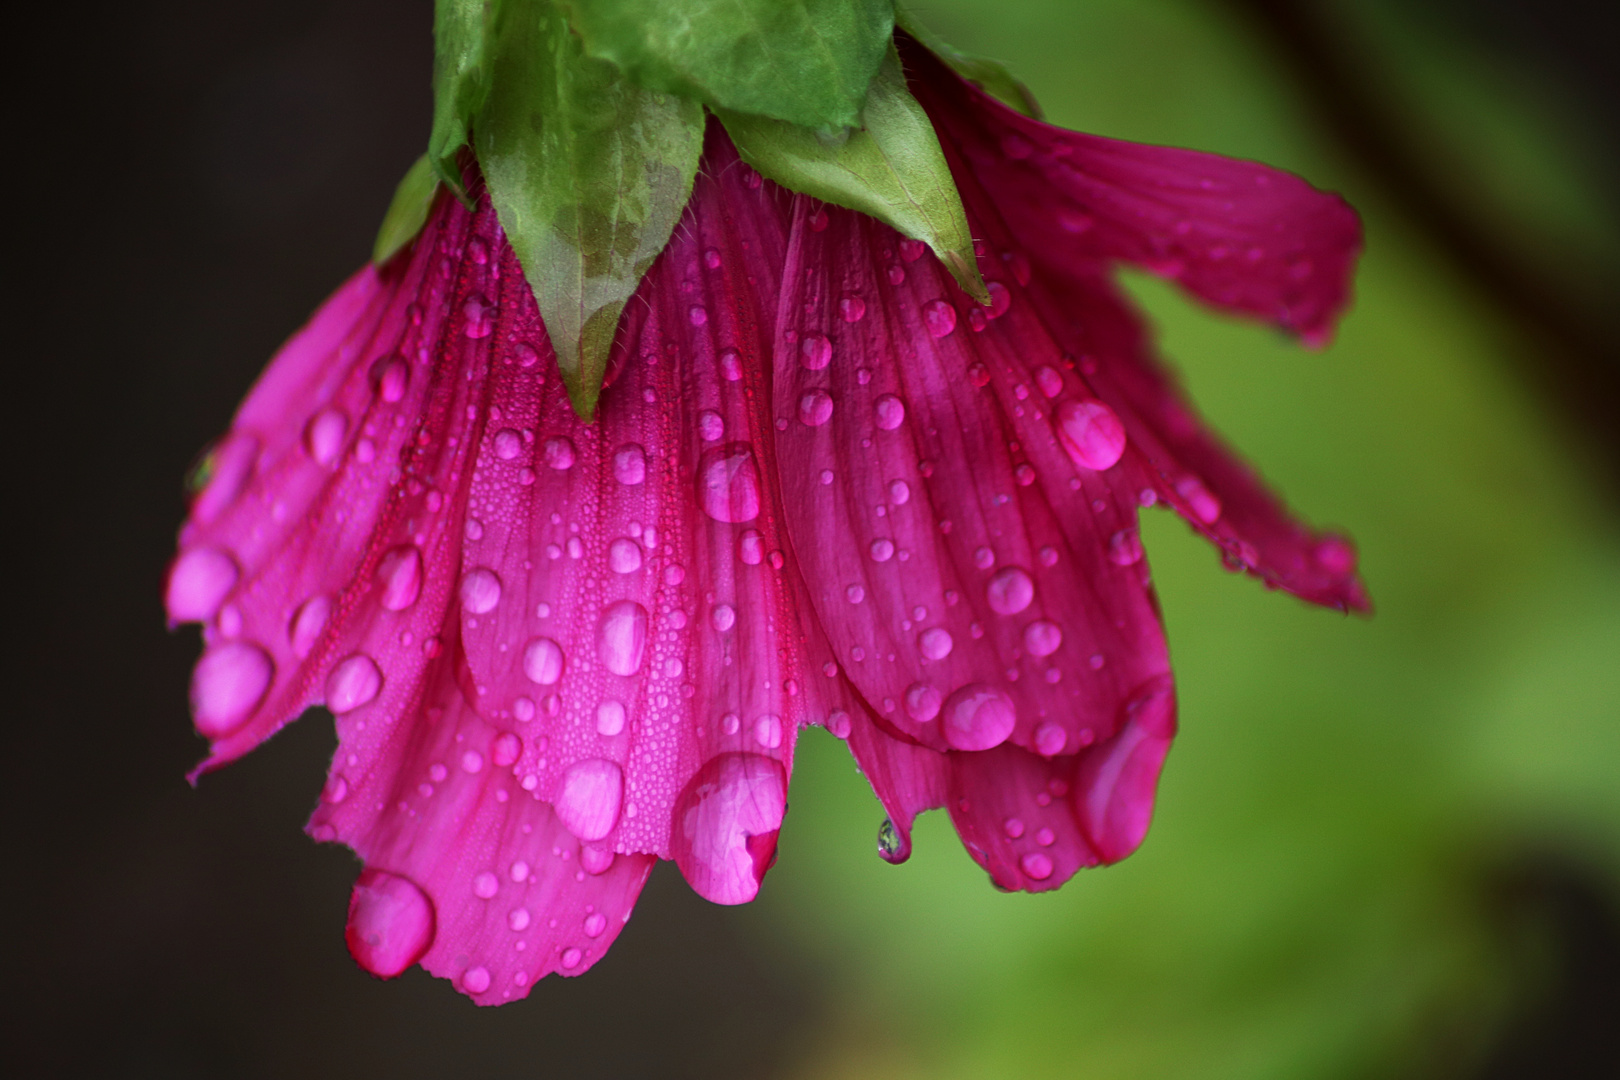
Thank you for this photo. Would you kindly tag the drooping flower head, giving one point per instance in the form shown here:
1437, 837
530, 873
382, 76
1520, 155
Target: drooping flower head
610, 474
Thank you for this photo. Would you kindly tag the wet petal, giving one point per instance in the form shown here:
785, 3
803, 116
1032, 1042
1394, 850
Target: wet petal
1238, 234
1013, 811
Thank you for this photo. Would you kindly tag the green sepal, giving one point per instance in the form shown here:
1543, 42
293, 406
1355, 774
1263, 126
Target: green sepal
406, 215
808, 62
891, 168
991, 76
589, 175
461, 79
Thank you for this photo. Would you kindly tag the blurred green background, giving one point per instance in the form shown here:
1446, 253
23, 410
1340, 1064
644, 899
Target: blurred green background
1348, 870
1384, 847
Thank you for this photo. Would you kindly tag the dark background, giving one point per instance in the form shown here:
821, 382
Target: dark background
191, 180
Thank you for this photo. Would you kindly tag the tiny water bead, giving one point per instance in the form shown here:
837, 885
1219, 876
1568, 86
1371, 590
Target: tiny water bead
711, 428
391, 923
324, 435
768, 731
728, 484
1205, 506
480, 590
1049, 739
899, 492
589, 798
354, 682
227, 685
892, 847
485, 885
543, 661
475, 980
506, 749
621, 637
881, 550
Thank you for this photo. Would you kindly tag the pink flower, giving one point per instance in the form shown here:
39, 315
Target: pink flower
823, 487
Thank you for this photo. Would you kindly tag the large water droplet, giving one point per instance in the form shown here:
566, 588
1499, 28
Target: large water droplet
1010, 590
595, 924
559, 453
711, 428
630, 464
815, 351
768, 731
815, 407
480, 590
893, 846
978, 717
308, 623
889, 412
939, 317
728, 486
507, 444
391, 923
881, 550
227, 685
1091, 433
353, 683
543, 661
589, 798
726, 823
323, 436
621, 638
399, 575
198, 584
610, 717
922, 702
624, 556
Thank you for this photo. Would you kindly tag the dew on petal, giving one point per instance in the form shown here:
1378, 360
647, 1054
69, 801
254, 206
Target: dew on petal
201, 579
1036, 865
1050, 382
391, 923
624, 556
559, 453
768, 731
711, 428
728, 483
724, 617
543, 661
518, 919
1013, 827
730, 365
610, 717
1205, 506
935, 643
595, 924
726, 823
940, 318
480, 590
621, 637
506, 749
507, 443
1091, 433
815, 351
881, 550
978, 717
1125, 548
1000, 299
815, 407
899, 492
1010, 590
630, 464
324, 435
922, 702
852, 308
751, 547
475, 980
1042, 637
1050, 738
227, 685
485, 885
399, 574
889, 412
391, 376
589, 798
354, 682
595, 860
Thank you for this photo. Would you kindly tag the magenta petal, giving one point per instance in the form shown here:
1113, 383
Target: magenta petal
1116, 781
1013, 812
1238, 234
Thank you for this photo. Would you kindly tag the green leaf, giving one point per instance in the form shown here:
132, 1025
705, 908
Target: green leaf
408, 212
991, 76
805, 61
589, 176
892, 168
460, 82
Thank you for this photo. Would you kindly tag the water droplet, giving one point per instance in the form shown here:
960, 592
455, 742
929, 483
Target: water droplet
892, 847
595, 924
1037, 865
1091, 433
728, 483
523, 710
882, 550
726, 823
198, 584
1205, 506
475, 980
624, 556
935, 643
815, 407
711, 428
724, 617
589, 798
1050, 739
630, 464
855, 594
543, 661
922, 702
610, 716
768, 731
485, 885
508, 444
939, 317
518, 919
227, 685
399, 573
1125, 548
815, 351
506, 749
1000, 299
559, 453
751, 547
1013, 827
978, 717
595, 860
323, 437
852, 308
889, 411
480, 590
621, 638
571, 957
697, 315
480, 315
730, 365
353, 683
472, 762
1042, 637
1010, 590
391, 923
1050, 382
838, 721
